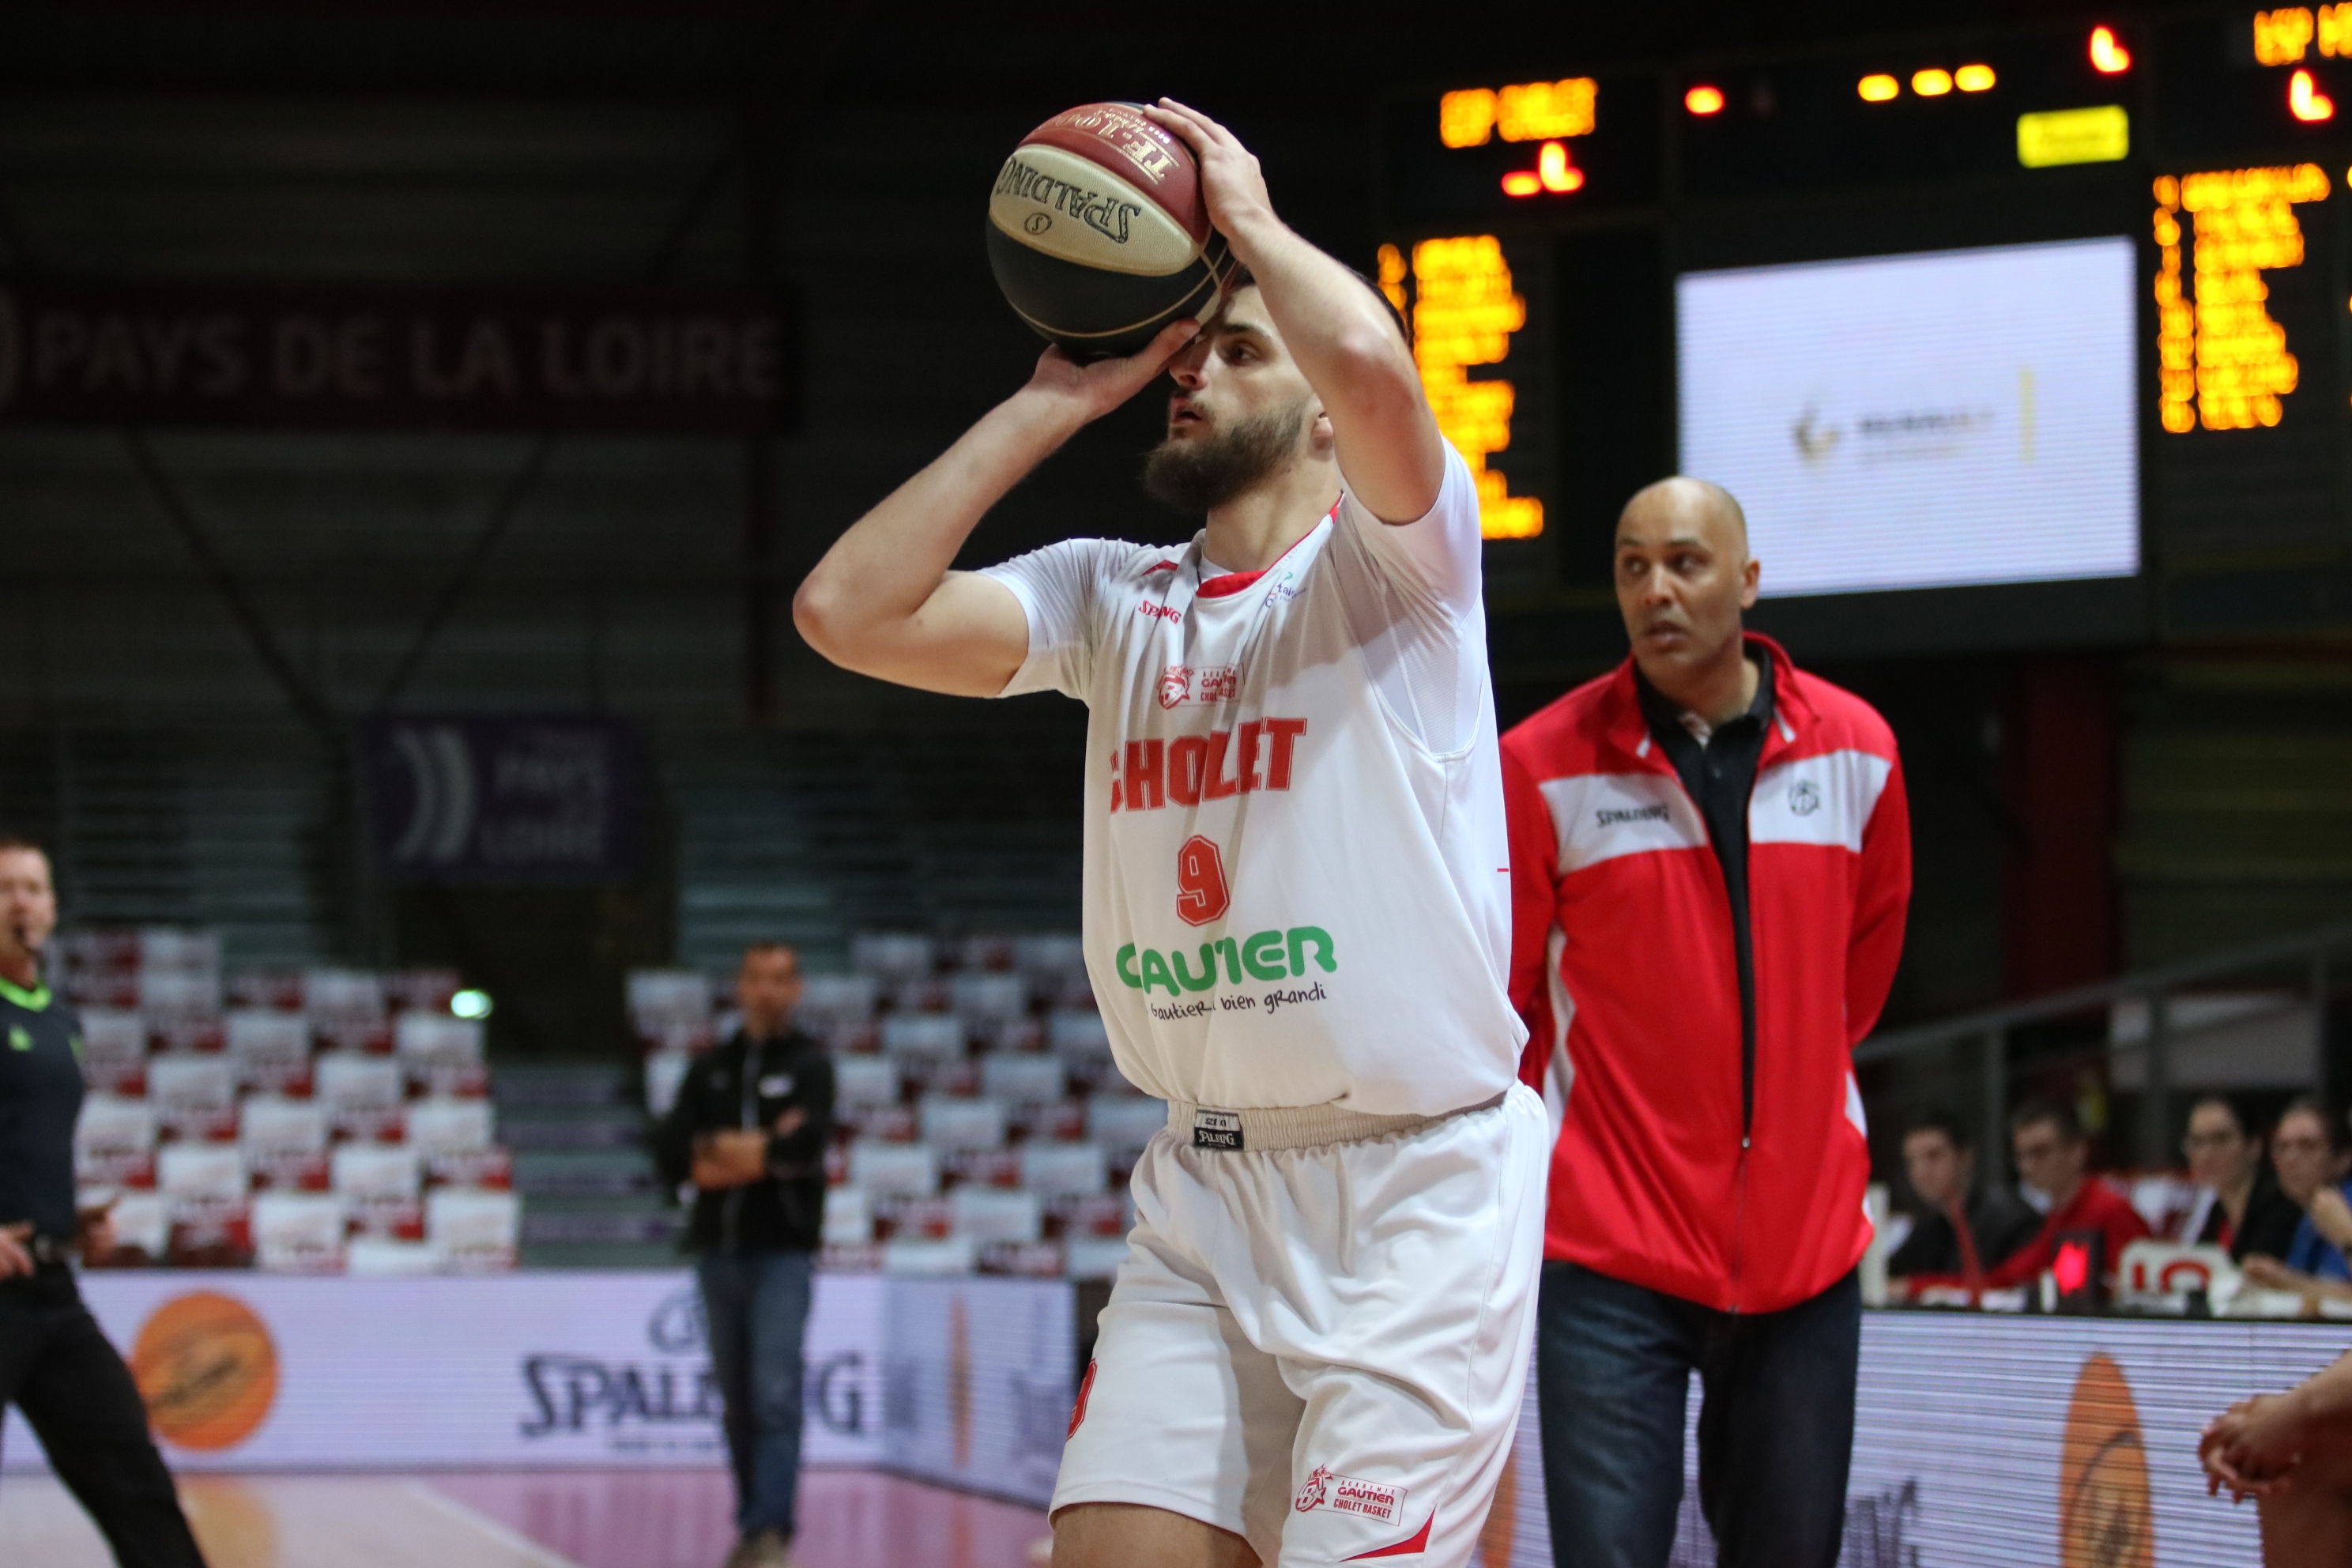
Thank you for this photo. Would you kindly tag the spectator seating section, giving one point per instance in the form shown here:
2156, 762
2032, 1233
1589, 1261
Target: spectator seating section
308, 1120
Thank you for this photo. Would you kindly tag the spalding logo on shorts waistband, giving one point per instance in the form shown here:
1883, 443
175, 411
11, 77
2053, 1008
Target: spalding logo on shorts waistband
1216, 1129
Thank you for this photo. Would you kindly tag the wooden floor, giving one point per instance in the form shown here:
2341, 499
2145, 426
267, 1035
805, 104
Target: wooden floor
614, 1518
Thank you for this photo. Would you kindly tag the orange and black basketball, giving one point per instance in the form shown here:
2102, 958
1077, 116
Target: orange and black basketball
1099, 235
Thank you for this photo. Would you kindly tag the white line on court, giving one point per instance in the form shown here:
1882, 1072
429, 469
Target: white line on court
522, 1546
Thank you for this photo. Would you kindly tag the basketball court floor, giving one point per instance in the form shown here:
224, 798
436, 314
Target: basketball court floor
613, 1519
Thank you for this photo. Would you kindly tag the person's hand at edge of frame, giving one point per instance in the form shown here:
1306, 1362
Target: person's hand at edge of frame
2252, 1447
15, 1258
1097, 386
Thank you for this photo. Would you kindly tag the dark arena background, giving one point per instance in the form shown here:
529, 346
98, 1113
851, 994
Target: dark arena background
414, 419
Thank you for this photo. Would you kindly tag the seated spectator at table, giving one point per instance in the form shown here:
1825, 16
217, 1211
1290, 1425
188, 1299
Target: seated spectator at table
2053, 1157
2294, 1452
2240, 1206
1965, 1227
2308, 1152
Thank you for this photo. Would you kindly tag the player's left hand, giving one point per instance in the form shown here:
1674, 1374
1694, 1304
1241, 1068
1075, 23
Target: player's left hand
1231, 180
1095, 387
2252, 1447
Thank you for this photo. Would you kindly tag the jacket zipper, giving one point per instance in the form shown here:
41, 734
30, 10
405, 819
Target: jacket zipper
1738, 1221
1748, 1026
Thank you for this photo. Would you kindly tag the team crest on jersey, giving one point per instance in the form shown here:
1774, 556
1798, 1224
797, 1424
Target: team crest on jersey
1345, 1494
1180, 683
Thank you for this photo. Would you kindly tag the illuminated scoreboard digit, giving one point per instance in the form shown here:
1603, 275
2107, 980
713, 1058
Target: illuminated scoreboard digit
1521, 150
2223, 360
2290, 36
1460, 296
1548, 113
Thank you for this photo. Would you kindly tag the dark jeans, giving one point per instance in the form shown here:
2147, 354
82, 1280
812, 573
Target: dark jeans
1613, 1363
757, 1305
56, 1366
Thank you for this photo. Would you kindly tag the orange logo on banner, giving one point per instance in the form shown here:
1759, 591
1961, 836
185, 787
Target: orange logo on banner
960, 1379
206, 1369
1494, 1536
2104, 1514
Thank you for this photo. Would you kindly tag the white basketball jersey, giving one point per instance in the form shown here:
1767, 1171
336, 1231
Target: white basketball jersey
1297, 874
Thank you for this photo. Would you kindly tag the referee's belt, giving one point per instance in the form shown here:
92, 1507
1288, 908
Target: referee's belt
48, 1250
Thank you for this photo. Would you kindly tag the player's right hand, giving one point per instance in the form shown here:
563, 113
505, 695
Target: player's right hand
15, 1258
1097, 386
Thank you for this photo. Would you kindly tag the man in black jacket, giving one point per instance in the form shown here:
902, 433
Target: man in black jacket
1964, 1229
749, 1130
56, 1364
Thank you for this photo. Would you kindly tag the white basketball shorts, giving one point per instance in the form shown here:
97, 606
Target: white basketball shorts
1320, 1349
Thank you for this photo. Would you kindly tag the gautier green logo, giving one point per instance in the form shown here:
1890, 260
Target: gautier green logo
1268, 956
19, 1037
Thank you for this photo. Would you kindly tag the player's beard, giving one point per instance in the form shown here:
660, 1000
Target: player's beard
1204, 474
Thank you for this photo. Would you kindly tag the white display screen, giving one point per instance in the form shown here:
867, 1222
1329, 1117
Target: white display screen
1955, 418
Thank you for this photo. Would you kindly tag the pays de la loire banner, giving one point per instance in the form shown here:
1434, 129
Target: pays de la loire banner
504, 798
91, 352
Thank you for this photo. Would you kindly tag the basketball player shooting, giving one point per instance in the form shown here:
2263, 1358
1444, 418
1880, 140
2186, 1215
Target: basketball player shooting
1297, 912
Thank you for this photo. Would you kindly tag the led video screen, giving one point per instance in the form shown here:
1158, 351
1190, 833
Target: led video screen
1937, 420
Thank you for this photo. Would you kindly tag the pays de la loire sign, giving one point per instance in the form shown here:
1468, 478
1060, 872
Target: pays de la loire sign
85, 353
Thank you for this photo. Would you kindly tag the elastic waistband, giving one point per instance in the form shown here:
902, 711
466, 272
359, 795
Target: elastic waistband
1294, 1126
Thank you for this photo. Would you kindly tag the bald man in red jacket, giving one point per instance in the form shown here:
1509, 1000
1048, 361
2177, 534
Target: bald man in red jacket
1711, 861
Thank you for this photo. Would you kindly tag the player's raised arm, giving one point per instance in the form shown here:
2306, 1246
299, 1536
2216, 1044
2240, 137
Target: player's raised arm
1342, 338
883, 602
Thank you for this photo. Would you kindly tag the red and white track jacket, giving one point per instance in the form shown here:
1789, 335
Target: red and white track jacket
1623, 965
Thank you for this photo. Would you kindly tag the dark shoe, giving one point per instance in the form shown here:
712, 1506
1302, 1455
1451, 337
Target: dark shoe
768, 1549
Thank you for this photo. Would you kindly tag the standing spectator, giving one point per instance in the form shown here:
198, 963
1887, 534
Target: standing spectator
1710, 861
2053, 1154
2308, 1150
2240, 1206
1968, 1226
749, 1130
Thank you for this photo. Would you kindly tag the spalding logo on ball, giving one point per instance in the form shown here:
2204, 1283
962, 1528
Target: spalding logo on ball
1098, 234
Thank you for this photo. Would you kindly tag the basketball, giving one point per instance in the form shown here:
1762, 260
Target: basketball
1098, 234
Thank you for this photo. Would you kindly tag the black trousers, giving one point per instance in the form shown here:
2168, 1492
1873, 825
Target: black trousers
57, 1367
1613, 1364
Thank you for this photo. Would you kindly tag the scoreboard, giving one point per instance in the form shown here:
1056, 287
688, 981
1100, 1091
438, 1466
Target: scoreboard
2007, 339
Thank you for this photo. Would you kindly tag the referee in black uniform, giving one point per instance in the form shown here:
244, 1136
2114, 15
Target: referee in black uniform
55, 1364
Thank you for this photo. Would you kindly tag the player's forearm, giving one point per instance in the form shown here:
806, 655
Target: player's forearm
1329, 321
2325, 1397
1351, 353
878, 574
